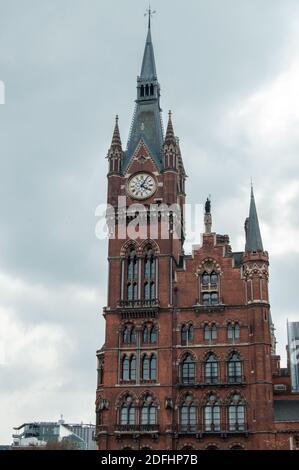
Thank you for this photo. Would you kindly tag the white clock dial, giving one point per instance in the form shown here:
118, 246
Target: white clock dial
142, 186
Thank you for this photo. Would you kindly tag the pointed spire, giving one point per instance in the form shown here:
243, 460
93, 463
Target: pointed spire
170, 137
148, 69
252, 228
116, 140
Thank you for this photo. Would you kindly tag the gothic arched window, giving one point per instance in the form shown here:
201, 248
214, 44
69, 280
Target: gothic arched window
149, 367
129, 335
132, 275
150, 334
236, 413
188, 414
209, 285
142, 91
210, 332
212, 414
152, 89
186, 334
188, 370
233, 331
128, 370
148, 411
127, 411
211, 369
149, 275
234, 369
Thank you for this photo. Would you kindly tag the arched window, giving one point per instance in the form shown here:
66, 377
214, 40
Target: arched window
212, 447
236, 413
187, 370
237, 447
211, 369
188, 414
127, 412
146, 90
210, 332
128, 368
152, 89
132, 275
233, 331
187, 448
149, 275
153, 334
129, 335
149, 367
148, 411
212, 414
142, 91
209, 287
150, 334
234, 369
186, 334
207, 279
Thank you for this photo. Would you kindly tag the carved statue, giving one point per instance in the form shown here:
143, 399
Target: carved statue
208, 206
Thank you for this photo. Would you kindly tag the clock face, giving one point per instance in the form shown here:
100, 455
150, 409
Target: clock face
142, 186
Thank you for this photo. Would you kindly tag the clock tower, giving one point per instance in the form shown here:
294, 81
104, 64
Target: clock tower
186, 362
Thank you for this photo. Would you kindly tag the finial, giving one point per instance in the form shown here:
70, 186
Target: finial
116, 119
149, 13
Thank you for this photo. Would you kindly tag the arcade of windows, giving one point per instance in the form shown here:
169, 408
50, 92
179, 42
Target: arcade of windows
141, 271
209, 333
147, 369
147, 90
212, 416
132, 414
210, 370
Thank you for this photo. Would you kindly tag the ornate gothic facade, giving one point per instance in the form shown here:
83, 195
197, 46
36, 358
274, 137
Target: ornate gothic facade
189, 355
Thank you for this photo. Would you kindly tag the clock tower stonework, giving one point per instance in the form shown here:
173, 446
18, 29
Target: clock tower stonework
186, 362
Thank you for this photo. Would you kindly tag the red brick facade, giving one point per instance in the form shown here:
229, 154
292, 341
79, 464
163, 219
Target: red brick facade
187, 360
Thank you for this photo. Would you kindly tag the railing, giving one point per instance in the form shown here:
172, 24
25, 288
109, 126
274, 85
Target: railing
215, 381
212, 429
137, 428
138, 303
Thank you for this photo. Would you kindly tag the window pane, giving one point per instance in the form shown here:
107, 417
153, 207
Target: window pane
206, 298
214, 298
205, 279
131, 415
153, 334
133, 368
214, 278
153, 368
144, 415
146, 366
146, 291
124, 415
207, 332
214, 332
152, 414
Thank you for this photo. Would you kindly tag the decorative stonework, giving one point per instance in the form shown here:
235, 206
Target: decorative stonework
255, 270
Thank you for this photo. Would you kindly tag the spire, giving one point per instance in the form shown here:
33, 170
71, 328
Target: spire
148, 69
115, 153
147, 122
252, 228
170, 137
116, 140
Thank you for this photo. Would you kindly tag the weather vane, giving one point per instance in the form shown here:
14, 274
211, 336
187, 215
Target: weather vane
149, 13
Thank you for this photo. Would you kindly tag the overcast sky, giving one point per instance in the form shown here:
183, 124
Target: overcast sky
228, 69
